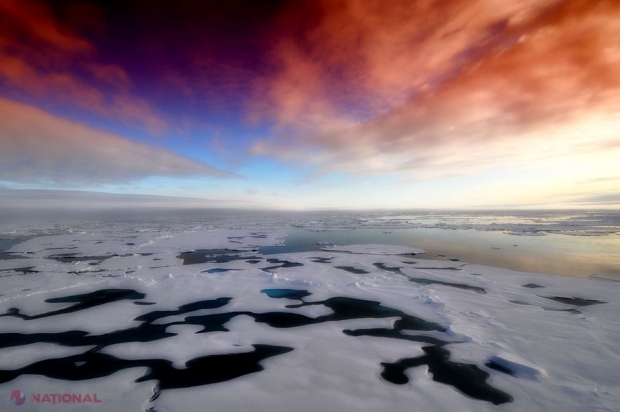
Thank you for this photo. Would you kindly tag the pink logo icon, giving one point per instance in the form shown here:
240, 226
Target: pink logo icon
18, 397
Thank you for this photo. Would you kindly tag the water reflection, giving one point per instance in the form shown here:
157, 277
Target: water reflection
578, 256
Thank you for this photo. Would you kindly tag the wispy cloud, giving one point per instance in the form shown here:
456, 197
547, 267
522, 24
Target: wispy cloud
601, 179
611, 199
37, 147
453, 88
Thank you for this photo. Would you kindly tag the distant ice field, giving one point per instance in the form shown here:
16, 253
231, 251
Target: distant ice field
198, 313
567, 243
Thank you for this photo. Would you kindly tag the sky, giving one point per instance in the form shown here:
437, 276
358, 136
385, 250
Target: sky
310, 104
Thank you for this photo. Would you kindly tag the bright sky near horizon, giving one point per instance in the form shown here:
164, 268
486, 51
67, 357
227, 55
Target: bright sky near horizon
314, 103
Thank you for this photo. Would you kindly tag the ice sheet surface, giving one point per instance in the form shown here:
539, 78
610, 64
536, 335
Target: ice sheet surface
194, 318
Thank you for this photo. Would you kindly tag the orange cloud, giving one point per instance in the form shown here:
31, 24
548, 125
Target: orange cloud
445, 87
38, 55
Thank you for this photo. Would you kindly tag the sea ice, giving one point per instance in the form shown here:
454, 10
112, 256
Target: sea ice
119, 314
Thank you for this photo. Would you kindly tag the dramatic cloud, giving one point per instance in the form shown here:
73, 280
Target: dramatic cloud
420, 102
36, 147
427, 89
45, 59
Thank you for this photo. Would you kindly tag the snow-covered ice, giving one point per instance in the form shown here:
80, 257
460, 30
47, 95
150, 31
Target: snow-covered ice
132, 316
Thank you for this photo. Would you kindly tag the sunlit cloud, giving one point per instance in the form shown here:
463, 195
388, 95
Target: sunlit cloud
37, 147
459, 87
422, 103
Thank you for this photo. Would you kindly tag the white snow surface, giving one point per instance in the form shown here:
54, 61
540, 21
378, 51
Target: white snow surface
563, 356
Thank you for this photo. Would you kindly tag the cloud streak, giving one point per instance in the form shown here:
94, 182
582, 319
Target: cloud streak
25, 201
37, 147
611, 199
429, 89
